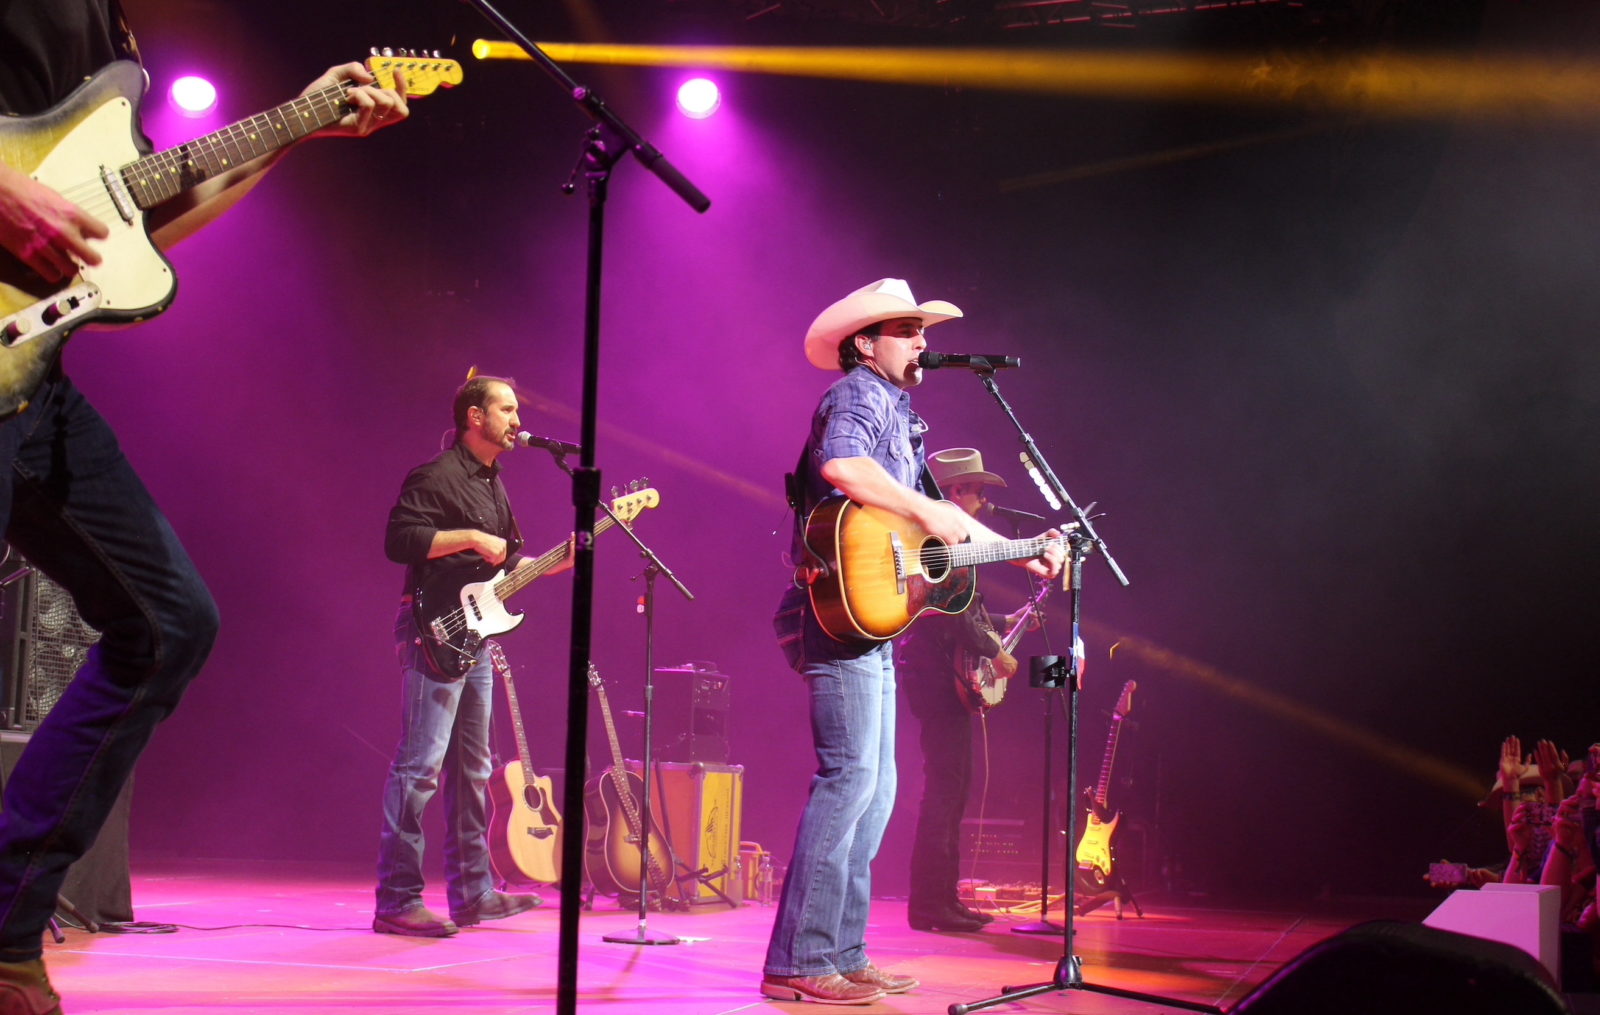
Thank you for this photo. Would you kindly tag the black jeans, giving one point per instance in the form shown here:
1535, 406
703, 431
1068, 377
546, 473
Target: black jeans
945, 733
73, 505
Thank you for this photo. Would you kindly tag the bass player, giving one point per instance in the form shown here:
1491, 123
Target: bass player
452, 521
928, 656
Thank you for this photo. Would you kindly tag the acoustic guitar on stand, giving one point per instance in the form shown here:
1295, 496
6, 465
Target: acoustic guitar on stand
873, 572
89, 149
525, 833
611, 803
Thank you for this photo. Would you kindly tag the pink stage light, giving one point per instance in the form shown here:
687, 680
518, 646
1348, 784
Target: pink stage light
193, 96
698, 98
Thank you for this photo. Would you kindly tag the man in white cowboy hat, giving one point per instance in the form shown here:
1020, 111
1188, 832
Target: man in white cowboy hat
864, 443
927, 667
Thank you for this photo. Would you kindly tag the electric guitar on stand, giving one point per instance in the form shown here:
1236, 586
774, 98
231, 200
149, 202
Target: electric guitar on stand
1099, 880
89, 149
611, 803
525, 833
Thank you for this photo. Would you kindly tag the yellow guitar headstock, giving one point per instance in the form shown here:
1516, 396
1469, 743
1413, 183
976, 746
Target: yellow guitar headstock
632, 504
424, 72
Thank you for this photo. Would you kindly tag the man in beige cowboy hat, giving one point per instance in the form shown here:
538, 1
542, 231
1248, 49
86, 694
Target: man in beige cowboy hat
927, 665
864, 443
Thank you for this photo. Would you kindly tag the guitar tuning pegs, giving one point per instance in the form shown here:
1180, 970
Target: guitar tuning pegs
372, 51
388, 51
436, 54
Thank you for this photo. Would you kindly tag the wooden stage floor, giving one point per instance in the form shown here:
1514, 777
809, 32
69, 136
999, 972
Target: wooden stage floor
284, 938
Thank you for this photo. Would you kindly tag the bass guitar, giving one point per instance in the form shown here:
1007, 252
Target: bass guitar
979, 686
611, 853
525, 832
454, 618
89, 149
1096, 854
873, 572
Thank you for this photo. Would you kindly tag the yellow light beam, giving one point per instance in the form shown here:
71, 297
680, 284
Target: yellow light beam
1406, 759
1404, 85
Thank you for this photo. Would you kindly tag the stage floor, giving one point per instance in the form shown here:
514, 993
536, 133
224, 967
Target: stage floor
292, 938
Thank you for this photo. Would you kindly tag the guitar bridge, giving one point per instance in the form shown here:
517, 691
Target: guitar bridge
898, 549
117, 187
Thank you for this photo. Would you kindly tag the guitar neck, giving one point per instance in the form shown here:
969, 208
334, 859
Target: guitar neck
1103, 787
166, 174
522, 576
516, 711
967, 554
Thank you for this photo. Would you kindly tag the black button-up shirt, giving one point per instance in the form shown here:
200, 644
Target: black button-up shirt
452, 491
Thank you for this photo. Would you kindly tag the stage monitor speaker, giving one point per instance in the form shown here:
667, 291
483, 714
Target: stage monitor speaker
47, 642
1390, 968
698, 807
98, 884
691, 714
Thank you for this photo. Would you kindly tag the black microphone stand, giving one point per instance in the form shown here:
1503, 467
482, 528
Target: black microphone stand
652, 569
1081, 541
603, 145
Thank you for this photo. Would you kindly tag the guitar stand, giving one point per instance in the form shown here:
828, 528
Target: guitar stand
703, 877
1116, 891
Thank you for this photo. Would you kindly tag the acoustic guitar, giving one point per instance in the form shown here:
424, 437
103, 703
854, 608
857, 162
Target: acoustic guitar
611, 803
89, 149
1096, 851
525, 830
873, 572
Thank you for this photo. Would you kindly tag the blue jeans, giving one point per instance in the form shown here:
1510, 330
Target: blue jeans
821, 923
444, 728
73, 506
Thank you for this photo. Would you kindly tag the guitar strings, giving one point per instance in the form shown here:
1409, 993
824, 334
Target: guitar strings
92, 196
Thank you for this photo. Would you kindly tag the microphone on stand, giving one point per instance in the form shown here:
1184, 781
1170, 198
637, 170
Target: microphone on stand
528, 440
1014, 515
936, 360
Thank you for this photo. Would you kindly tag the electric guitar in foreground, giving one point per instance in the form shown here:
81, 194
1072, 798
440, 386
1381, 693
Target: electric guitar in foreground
89, 149
1096, 855
878, 571
979, 686
454, 618
525, 833
612, 855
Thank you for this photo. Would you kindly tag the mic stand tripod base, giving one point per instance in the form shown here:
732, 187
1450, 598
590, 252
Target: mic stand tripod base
643, 936
1038, 927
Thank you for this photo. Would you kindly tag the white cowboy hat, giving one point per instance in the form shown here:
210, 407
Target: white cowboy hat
883, 300
960, 465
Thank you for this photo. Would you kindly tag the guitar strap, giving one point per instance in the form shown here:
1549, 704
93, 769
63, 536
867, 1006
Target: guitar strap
122, 35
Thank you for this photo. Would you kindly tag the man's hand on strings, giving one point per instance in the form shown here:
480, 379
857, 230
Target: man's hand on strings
44, 230
374, 108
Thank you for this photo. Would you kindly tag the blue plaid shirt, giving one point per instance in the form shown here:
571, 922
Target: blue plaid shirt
861, 415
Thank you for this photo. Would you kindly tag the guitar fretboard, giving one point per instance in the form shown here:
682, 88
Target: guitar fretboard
521, 576
967, 554
165, 174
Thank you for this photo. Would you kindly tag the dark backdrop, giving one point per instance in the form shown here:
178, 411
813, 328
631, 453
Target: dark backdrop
1333, 386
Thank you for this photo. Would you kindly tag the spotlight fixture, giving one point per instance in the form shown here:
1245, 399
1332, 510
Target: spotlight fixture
193, 96
698, 98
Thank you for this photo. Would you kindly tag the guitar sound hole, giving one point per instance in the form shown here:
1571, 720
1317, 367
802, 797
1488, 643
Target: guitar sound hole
935, 561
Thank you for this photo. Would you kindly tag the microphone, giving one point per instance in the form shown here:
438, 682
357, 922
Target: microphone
1014, 515
528, 440
935, 360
